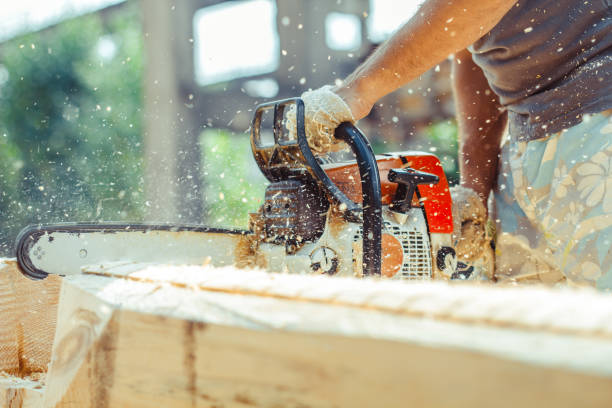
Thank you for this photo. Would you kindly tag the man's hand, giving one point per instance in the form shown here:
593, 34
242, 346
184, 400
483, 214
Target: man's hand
358, 103
324, 110
471, 235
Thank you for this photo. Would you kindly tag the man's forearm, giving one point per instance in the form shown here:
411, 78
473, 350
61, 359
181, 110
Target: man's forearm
481, 124
478, 158
440, 28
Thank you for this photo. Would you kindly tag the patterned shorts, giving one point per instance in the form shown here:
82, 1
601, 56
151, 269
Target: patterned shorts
553, 207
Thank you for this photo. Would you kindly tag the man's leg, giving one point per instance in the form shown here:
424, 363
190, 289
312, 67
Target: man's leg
520, 247
554, 206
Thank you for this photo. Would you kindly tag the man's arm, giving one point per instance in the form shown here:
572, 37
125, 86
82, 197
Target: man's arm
440, 28
481, 124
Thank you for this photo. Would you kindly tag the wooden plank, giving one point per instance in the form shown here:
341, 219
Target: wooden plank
28, 311
150, 335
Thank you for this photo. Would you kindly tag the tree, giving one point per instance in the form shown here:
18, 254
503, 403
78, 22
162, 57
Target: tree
70, 124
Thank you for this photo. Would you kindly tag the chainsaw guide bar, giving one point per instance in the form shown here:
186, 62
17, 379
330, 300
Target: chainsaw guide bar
64, 249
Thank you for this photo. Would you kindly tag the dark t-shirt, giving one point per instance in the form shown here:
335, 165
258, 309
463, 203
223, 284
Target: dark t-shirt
550, 62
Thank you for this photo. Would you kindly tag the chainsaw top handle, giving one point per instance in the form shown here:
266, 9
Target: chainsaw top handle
288, 158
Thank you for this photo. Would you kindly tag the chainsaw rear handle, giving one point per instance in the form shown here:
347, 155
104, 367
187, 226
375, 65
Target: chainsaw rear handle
287, 158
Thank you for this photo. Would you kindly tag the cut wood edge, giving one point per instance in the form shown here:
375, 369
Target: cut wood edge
81, 320
572, 311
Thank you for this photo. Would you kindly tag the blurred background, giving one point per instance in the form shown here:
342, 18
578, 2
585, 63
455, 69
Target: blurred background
140, 110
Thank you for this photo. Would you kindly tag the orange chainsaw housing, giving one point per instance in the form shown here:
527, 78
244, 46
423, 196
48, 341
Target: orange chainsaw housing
434, 198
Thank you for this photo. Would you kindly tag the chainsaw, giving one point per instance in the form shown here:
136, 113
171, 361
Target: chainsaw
387, 215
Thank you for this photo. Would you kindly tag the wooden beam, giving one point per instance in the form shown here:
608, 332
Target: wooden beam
28, 311
151, 335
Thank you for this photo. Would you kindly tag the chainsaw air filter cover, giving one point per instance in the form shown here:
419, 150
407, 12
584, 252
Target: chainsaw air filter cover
294, 212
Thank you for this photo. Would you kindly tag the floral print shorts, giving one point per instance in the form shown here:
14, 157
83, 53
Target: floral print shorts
553, 207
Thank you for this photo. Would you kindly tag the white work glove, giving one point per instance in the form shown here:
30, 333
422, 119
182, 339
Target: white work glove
323, 112
471, 235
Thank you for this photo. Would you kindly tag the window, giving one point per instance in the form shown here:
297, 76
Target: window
386, 16
261, 88
235, 40
342, 31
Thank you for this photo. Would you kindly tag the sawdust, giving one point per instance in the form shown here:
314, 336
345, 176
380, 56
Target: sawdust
470, 219
324, 111
247, 254
335, 221
34, 380
247, 246
16, 389
246, 250
471, 237
357, 247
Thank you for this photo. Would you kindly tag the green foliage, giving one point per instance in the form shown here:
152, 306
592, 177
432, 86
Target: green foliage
70, 125
439, 138
234, 186
443, 139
